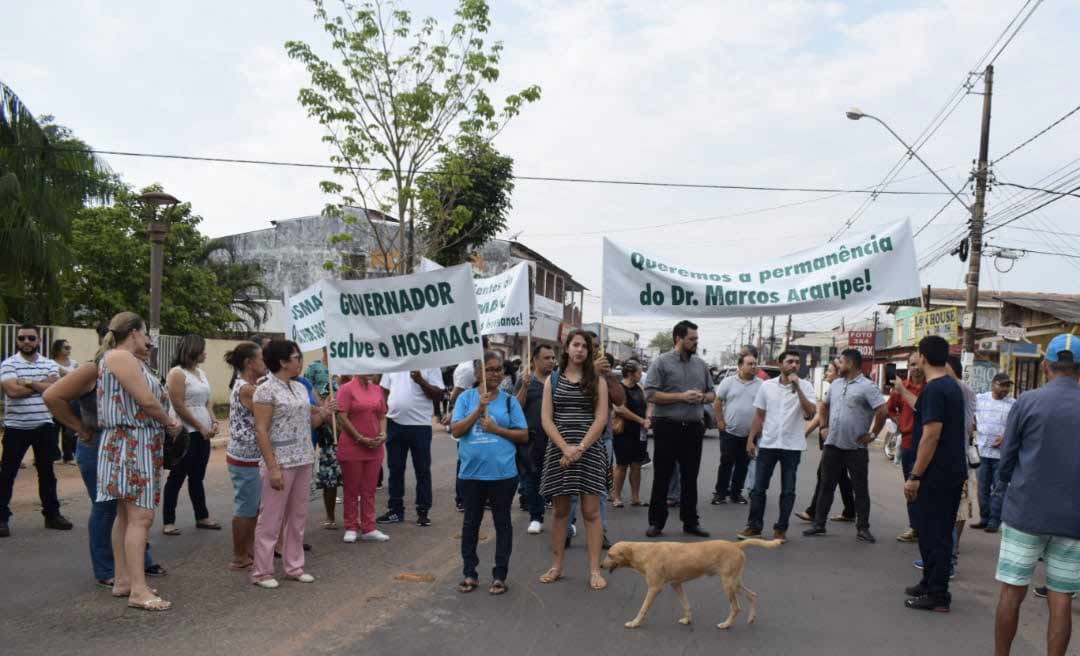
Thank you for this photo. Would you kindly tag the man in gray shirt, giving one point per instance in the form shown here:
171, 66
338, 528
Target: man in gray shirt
734, 413
678, 385
852, 405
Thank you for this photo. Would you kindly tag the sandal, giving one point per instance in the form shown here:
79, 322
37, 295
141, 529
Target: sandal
497, 588
105, 583
156, 570
468, 585
618, 504
593, 578
208, 525
552, 575
639, 504
153, 604
171, 531
128, 593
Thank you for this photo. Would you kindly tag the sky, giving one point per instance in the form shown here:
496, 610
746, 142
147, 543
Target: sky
712, 92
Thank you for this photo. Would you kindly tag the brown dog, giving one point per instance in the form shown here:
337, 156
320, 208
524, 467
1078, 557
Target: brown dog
677, 562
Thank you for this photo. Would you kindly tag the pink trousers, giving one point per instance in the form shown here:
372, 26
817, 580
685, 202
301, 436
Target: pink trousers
360, 477
289, 507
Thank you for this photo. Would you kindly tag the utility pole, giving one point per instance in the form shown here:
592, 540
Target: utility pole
977, 212
787, 333
760, 334
772, 338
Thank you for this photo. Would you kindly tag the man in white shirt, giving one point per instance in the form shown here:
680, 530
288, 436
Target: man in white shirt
991, 412
784, 405
408, 431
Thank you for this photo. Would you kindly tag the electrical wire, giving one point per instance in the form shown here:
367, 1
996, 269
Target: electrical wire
1018, 28
1045, 191
1038, 134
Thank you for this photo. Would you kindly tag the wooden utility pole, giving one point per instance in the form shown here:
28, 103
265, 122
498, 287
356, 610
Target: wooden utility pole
787, 333
978, 210
772, 338
760, 334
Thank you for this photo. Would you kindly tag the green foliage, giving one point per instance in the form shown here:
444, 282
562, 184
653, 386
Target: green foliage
465, 202
202, 291
397, 95
46, 176
663, 341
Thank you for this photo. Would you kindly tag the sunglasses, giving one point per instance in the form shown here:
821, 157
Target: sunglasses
27, 338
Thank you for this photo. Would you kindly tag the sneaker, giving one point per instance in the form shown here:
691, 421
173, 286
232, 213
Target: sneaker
739, 499
780, 535
535, 528
571, 531
155, 571
375, 536
991, 529
748, 533
303, 578
910, 535
866, 536
978, 525
390, 518
926, 602
805, 516
718, 499
423, 520
814, 530
460, 506
350, 537
58, 523
269, 584
695, 530
5, 530
916, 590
918, 564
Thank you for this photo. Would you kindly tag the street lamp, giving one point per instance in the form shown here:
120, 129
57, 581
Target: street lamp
855, 114
159, 229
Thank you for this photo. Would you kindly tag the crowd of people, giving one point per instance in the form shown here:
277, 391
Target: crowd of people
566, 436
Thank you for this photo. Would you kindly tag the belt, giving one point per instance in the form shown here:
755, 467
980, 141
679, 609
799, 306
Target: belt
680, 422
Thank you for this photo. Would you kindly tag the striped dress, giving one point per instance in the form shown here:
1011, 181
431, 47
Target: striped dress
130, 458
591, 474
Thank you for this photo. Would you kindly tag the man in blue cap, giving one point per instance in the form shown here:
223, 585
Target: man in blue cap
1040, 471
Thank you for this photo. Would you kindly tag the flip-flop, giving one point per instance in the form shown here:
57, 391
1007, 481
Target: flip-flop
497, 588
153, 605
592, 581
618, 504
551, 576
468, 585
172, 532
208, 526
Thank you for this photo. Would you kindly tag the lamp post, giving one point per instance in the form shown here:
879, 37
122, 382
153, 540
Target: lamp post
159, 229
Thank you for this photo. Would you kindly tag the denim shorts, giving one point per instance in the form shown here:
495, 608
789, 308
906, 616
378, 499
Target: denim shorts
247, 490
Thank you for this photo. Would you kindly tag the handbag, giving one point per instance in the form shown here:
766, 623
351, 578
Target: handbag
175, 448
618, 424
973, 456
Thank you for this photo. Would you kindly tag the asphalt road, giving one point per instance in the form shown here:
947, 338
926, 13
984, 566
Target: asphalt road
817, 596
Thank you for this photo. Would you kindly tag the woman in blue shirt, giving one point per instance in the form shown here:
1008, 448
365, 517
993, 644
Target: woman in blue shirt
488, 423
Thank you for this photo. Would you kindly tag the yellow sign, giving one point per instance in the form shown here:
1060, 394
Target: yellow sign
945, 322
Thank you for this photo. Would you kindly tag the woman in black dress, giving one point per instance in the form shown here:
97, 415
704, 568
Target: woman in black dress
574, 415
630, 450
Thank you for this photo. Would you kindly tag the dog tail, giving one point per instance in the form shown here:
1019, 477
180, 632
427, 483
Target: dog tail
765, 544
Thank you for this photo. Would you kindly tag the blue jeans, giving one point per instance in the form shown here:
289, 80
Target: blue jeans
767, 460
603, 495
907, 461
989, 503
401, 441
102, 516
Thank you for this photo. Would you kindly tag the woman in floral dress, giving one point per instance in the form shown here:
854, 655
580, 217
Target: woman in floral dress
133, 416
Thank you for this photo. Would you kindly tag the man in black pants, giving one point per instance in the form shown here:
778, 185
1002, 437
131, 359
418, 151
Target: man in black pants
678, 385
938, 475
735, 412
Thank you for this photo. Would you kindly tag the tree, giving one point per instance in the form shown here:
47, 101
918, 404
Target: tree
46, 177
398, 96
242, 280
111, 271
465, 203
663, 341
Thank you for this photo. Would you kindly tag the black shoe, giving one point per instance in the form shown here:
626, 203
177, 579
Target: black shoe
866, 536
654, 532
718, 500
926, 602
390, 518
991, 529
739, 499
423, 520
307, 547
606, 544
156, 571
5, 531
814, 530
58, 523
917, 590
460, 506
695, 530
979, 525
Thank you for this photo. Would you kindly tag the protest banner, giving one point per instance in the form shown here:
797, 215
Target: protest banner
401, 323
855, 270
307, 325
502, 299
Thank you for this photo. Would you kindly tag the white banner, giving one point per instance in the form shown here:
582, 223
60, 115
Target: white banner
855, 270
307, 325
402, 323
502, 300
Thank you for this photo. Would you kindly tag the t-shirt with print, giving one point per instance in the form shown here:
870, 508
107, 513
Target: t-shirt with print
785, 421
407, 403
738, 396
28, 411
365, 406
485, 456
852, 404
290, 426
991, 416
943, 401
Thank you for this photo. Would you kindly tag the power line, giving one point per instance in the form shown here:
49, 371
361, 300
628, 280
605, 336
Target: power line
1038, 134
1027, 250
1043, 191
1018, 28
532, 178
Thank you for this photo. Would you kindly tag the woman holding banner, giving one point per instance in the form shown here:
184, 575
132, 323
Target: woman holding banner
489, 424
575, 414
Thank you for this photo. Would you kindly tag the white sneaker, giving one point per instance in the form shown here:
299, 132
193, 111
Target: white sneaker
535, 528
269, 584
375, 536
304, 578
571, 531
350, 536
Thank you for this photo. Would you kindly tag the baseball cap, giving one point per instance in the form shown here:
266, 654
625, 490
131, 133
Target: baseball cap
1003, 379
1063, 348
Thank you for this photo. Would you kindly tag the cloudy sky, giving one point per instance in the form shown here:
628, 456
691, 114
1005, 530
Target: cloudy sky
743, 93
